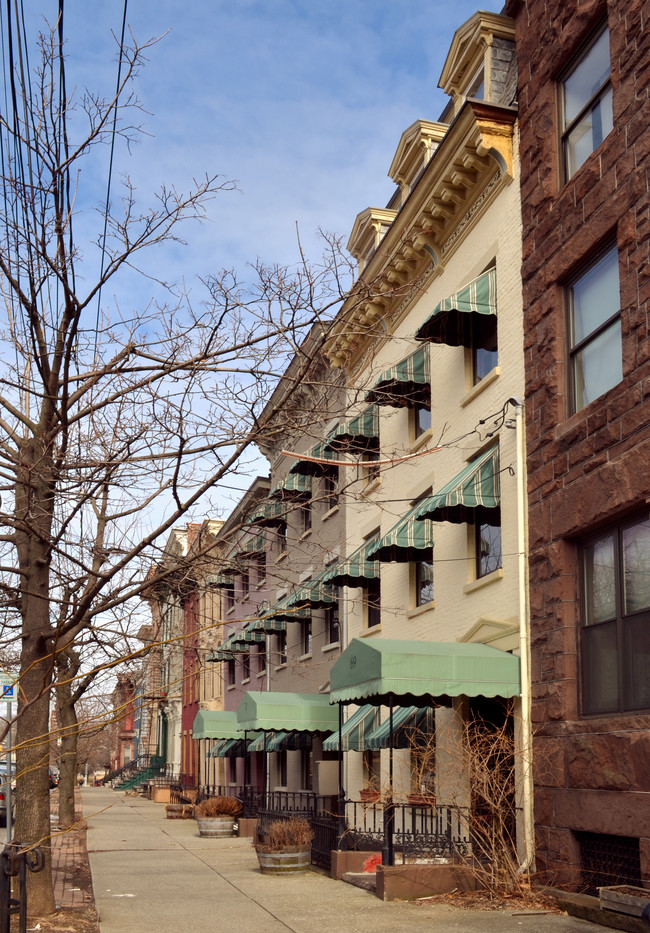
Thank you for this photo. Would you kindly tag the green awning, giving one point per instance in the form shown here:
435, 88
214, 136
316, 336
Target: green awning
356, 570
215, 724
270, 512
467, 318
408, 383
315, 593
362, 433
408, 721
295, 484
284, 613
254, 544
268, 624
354, 732
287, 712
231, 748
227, 650
249, 636
219, 580
374, 669
292, 741
471, 496
407, 540
320, 452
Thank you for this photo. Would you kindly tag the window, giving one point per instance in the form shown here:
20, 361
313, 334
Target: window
258, 563
281, 535
229, 596
372, 604
485, 357
244, 582
304, 516
616, 620
586, 99
421, 420
281, 647
261, 659
246, 666
423, 582
282, 768
306, 769
595, 331
488, 549
330, 487
332, 624
230, 672
372, 472
305, 636
477, 87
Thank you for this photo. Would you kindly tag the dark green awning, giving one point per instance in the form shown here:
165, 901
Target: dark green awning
284, 613
287, 712
356, 570
227, 650
408, 383
230, 748
467, 318
268, 624
314, 593
375, 669
319, 452
354, 732
248, 636
215, 724
408, 722
361, 433
253, 544
407, 540
471, 496
295, 484
220, 580
270, 512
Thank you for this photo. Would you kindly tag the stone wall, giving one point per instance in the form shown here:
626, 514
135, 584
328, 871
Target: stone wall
588, 469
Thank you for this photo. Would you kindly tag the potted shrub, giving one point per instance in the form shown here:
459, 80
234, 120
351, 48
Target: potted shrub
216, 816
286, 847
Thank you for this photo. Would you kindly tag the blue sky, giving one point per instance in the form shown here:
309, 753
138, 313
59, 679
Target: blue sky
301, 101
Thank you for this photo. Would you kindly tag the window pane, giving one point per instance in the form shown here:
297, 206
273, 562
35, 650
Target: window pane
589, 132
423, 582
598, 366
601, 669
595, 297
636, 568
422, 418
488, 558
586, 78
637, 663
600, 581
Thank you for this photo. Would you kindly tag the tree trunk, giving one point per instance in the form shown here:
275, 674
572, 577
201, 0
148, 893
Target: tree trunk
67, 717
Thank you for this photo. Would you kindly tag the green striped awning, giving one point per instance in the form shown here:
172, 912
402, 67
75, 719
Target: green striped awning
253, 544
314, 593
362, 433
354, 732
418, 672
408, 383
467, 318
268, 624
270, 512
287, 712
357, 570
408, 721
231, 748
227, 650
220, 580
295, 484
320, 452
248, 636
292, 741
215, 724
284, 613
471, 496
407, 540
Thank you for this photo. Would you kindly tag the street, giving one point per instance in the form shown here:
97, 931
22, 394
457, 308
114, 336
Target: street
152, 873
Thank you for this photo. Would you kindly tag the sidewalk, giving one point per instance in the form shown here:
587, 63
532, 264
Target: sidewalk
150, 873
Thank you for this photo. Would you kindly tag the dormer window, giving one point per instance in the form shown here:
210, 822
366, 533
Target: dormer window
477, 87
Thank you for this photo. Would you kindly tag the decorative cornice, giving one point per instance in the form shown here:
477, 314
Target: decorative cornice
473, 160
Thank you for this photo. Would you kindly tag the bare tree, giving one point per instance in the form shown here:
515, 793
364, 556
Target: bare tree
114, 423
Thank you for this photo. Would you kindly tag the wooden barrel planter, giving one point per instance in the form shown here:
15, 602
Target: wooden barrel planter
287, 862
216, 827
179, 811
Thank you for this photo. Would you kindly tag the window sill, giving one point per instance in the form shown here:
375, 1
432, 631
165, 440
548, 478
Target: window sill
281, 556
483, 581
246, 680
332, 645
260, 584
480, 386
371, 486
370, 631
305, 657
305, 534
231, 686
261, 673
230, 610
422, 440
419, 610
281, 667
330, 512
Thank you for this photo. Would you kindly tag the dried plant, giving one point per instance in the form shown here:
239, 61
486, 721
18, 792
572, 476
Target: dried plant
218, 806
294, 833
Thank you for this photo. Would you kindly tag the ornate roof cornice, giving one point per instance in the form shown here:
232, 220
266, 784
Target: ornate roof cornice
475, 156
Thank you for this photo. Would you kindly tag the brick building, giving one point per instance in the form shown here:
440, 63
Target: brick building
584, 117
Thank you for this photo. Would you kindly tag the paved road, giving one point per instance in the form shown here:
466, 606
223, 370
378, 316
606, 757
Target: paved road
150, 873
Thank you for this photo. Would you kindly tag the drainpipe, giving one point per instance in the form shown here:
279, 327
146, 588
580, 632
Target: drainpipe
528, 863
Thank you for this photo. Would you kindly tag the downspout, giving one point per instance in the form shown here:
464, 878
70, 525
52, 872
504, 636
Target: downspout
528, 863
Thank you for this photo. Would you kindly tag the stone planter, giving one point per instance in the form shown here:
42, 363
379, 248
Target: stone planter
217, 827
624, 898
290, 860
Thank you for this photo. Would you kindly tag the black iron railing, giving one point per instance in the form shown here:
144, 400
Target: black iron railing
15, 862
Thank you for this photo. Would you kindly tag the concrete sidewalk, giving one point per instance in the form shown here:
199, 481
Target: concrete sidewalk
150, 873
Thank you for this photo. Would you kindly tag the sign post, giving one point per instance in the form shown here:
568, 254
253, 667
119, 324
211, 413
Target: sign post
8, 694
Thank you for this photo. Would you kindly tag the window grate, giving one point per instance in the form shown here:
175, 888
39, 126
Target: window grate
608, 860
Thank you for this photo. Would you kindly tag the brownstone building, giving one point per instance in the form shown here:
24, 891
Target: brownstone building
584, 116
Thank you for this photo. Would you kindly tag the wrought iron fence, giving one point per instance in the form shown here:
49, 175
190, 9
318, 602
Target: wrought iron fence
15, 862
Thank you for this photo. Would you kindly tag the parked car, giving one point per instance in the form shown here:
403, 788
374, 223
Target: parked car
53, 778
3, 792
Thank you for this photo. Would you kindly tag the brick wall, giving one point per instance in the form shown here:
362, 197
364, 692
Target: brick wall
590, 468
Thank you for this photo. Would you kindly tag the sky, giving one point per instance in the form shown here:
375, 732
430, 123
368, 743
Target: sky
300, 102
